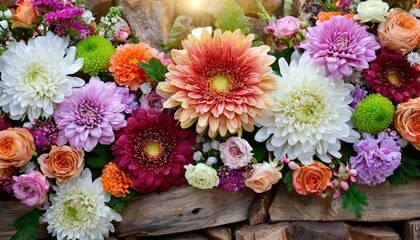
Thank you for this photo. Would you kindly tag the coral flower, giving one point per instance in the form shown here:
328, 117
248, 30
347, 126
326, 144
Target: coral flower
124, 64
114, 181
220, 81
325, 16
153, 150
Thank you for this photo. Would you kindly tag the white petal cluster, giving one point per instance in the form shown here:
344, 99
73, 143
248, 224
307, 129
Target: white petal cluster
78, 210
34, 77
310, 114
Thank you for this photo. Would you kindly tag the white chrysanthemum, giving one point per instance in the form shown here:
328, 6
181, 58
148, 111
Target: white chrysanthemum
310, 114
35, 76
78, 210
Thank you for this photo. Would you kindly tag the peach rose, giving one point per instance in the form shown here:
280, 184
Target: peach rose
263, 177
311, 179
16, 147
400, 32
25, 15
407, 121
62, 163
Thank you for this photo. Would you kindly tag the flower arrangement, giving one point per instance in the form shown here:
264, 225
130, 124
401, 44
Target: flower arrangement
92, 118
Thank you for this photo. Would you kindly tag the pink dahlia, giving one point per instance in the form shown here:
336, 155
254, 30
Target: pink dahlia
340, 45
90, 115
220, 81
153, 150
392, 76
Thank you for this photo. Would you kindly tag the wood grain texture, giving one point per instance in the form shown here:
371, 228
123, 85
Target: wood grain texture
319, 230
375, 232
411, 229
183, 209
386, 203
9, 211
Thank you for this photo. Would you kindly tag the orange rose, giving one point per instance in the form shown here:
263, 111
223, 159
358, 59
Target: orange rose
400, 32
62, 163
16, 147
25, 15
407, 121
263, 177
325, 16
311, 179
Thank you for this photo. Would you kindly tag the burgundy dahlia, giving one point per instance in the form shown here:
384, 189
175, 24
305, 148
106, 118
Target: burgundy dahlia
153, 150
392, 76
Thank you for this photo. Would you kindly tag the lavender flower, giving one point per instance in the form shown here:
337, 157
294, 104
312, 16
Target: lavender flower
340, 45
152, 101
358, 94
232, 180
128, 99
376, 159
89, 116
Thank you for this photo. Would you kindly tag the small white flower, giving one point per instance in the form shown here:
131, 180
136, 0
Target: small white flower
198, 31
4, 24
372, 11
8, 14
413, 58
211, 161
29, 167
146, 88
78, 210
1, 14
114, 20
88, 17
215, 144
197, 156
206, 147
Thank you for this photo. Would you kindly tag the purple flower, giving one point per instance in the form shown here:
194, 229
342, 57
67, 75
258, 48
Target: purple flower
45, 134
344, 4
31, 188
232, 180
376, 158
128, 99
6, 186
358, 94
340, 45
89, 116
152, 101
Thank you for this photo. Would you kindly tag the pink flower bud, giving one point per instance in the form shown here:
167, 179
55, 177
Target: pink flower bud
285, 160
293, 166
353, 172
344, 185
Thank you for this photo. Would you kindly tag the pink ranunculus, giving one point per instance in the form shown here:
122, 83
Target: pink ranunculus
122, 35
283, 28
235, 152
152, 101
31, 188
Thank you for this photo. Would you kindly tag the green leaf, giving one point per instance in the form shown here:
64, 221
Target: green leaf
99, 157
27, 225
409, 167
179, 31
118, 204
258, 148
231, 17
288, 180
286, 54
354, 200
154, 69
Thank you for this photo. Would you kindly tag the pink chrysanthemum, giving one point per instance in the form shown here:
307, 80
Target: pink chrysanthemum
392, 76
220, 81
340, 45
153, 150
90, 115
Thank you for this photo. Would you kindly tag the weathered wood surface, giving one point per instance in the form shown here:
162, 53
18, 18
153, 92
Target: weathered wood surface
9, 211
411, 230
277, 231
219, 233
375, 232
319, 230
183, 209
386, 203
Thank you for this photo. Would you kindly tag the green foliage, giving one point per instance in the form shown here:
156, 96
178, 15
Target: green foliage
99, 157
354, 200
27, 225
288, 180
118, 204
179, 31
232, 17
154, 69
409, 167
286, 54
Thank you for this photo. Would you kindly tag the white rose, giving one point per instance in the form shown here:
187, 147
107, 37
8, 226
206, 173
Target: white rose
201, 176
372, 11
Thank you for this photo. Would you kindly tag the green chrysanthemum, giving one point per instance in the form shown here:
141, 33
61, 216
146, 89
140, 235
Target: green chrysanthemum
96, 51
373, 114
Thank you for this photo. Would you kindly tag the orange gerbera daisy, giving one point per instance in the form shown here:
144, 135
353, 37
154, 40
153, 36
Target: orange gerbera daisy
221, 81
114, 181
124, 64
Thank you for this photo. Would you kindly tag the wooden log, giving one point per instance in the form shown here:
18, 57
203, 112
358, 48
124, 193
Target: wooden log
411, 229
183, 209
276, 231
258, 213
9, 211
319, 230
99, 8
219, 233
375, 232
386, 203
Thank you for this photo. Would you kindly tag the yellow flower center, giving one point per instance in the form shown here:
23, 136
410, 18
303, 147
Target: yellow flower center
134, 61
220, 84
393, 79
153, 149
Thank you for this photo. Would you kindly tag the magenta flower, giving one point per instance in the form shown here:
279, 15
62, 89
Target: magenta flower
153, 150
340, 45
30, 188
89, 116
232, 180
